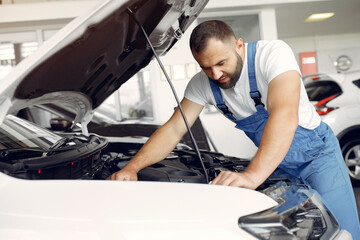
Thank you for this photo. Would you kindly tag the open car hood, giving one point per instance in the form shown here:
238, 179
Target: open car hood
92, 56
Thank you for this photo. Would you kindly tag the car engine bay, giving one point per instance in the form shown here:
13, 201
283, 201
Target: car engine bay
181, 165
93, 157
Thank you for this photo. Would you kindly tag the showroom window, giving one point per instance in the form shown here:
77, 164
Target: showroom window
135, 97
132, 101
7, 58
27, 48
11, 54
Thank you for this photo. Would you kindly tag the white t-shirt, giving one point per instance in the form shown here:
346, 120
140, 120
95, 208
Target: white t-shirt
272, 58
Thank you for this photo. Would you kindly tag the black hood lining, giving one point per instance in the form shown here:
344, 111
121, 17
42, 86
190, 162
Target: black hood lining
98, 62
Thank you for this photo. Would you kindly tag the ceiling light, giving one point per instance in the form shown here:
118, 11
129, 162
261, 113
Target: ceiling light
319, 17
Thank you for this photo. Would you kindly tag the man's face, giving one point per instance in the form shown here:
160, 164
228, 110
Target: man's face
221, 62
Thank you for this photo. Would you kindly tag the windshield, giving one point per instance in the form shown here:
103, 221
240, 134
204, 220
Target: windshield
17, 133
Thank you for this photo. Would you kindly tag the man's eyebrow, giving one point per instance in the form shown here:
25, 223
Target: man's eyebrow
221, 61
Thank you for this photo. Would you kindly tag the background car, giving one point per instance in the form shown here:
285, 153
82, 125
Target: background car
336, 98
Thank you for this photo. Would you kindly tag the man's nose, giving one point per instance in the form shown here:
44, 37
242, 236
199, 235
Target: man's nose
216, 73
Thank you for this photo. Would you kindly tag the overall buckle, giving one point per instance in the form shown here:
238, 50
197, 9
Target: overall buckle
224, 108
256, 96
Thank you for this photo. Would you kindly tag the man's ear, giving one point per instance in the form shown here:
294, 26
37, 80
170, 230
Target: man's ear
239, 47
239, 43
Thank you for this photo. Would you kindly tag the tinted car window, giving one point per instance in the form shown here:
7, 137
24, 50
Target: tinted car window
322, 89
357, 83
17, 133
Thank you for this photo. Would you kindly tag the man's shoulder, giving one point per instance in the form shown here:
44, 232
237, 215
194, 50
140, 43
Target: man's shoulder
198, 89
273, 49
199, 77
198, 81
201, 74
271, 44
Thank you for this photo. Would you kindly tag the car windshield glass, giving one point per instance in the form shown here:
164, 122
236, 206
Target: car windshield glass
16, 133
321, 90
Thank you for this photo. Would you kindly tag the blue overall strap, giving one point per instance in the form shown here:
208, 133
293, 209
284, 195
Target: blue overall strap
254, 92
219, 101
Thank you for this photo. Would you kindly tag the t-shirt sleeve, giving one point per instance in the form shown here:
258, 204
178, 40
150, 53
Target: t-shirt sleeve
276, 58
195, 90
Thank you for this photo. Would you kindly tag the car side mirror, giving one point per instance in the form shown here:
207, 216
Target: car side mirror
60, 124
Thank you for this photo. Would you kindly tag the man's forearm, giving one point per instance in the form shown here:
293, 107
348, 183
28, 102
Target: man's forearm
275, 143
161, 143
157, 148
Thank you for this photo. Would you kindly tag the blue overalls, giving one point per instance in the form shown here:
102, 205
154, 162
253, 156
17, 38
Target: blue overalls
314, 156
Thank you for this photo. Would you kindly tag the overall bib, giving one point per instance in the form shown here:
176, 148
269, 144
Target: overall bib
314, 156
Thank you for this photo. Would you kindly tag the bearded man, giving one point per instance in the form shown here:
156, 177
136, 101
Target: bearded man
258, 86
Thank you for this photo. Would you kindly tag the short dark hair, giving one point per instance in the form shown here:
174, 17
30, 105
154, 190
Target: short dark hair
209, 29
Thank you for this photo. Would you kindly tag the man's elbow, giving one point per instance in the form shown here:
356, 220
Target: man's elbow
287, 117
293, 120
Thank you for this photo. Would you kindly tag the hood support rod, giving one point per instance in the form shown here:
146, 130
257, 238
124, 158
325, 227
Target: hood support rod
175, 95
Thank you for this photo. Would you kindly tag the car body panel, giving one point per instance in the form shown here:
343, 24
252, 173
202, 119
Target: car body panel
343, 118
347, 112
100, 210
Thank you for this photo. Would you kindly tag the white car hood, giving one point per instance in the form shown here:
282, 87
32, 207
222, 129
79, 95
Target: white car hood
160, 211
95, 54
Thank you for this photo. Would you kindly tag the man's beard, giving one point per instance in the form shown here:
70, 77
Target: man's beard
234, 77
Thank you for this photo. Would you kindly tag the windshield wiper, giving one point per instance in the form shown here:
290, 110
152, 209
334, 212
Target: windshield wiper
5, 152
8, 155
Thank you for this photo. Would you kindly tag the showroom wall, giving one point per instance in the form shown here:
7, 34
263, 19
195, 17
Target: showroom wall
328, 49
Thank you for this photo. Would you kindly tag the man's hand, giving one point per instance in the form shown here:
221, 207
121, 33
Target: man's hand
234, 179
123, 175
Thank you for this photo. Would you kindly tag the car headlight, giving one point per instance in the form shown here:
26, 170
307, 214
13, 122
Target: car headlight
299, 215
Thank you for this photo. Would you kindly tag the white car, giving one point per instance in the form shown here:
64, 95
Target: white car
336, 98
53, 184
